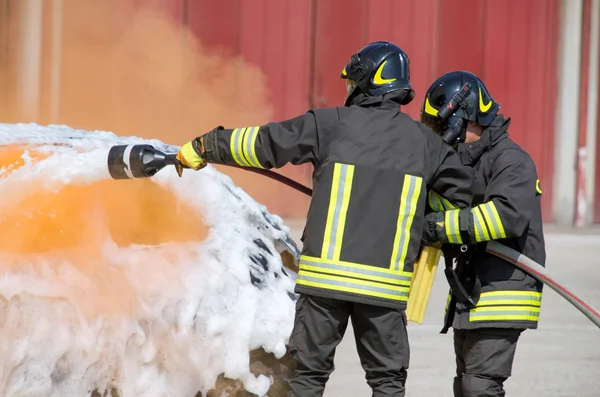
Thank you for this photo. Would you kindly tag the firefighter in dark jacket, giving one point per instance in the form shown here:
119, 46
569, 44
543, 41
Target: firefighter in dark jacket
373, 166
501, 300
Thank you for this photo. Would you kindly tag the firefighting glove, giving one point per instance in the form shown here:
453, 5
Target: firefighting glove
191, 155
433, 222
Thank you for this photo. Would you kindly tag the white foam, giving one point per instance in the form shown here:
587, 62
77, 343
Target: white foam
197, 316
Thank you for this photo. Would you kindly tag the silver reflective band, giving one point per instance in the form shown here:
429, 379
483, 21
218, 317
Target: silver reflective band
126, 160
404, 280
348, 286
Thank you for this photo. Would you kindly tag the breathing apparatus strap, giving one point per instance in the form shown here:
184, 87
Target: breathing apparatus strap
458, 291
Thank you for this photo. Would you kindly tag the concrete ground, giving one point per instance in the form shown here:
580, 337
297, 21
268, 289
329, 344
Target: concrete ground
559, 359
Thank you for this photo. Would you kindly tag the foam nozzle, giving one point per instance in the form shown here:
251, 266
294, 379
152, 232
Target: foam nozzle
137, 161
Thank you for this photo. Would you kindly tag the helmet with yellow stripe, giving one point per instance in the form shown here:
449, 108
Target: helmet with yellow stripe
377, 69
453, 100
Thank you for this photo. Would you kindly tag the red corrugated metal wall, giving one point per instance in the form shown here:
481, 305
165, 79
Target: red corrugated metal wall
302, 46
274, 35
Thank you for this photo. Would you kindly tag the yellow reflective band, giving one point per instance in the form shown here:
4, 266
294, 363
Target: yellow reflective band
249, 147
341, 225
240, 147
447, 303
492, 226
451, 223
505, 313
409, 199
481, 233
529, 298
339, 200
496, 218
434, 201
235, 147
356, 267
537, 187
447, 221
365, 272
510, 292
430, 109
335, 185
447, 204
352, 285
438, 203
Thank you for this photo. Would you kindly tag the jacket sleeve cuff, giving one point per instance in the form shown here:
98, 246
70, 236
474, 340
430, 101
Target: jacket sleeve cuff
467, 231
211, 146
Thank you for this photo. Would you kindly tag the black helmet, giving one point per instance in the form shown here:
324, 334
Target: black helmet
379, 68
453, 100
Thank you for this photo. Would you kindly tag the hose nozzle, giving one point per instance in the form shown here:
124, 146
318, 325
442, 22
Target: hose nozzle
137, 161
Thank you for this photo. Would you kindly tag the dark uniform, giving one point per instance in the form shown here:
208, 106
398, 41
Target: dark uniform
506, 208
373, 166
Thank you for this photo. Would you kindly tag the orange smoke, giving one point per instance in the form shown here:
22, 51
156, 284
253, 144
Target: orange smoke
133, 71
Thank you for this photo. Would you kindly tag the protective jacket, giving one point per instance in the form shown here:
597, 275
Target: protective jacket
373, 166
506, 208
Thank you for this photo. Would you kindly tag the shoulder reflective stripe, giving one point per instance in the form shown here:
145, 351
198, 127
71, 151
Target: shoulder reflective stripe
380, 270
249, 145
235, 147
451, 224
409, 199
341, 187
481, 233
352, 285
497, 219
359, 271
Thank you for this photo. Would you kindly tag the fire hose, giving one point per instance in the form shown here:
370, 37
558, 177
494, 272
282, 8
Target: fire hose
144, 161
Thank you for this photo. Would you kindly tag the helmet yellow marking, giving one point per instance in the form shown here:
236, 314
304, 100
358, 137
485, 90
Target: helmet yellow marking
430, 109
537, 186
377, 79
482, 107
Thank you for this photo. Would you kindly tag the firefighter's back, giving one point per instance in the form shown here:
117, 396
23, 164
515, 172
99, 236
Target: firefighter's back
365, 219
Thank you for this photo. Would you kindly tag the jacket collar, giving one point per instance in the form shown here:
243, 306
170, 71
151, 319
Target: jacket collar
391, 100
470, 153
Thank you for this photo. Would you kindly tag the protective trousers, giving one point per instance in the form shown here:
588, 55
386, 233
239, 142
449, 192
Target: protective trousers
484, 359
381, 341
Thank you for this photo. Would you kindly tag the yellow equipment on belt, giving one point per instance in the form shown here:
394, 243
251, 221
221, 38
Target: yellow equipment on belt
422, 282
